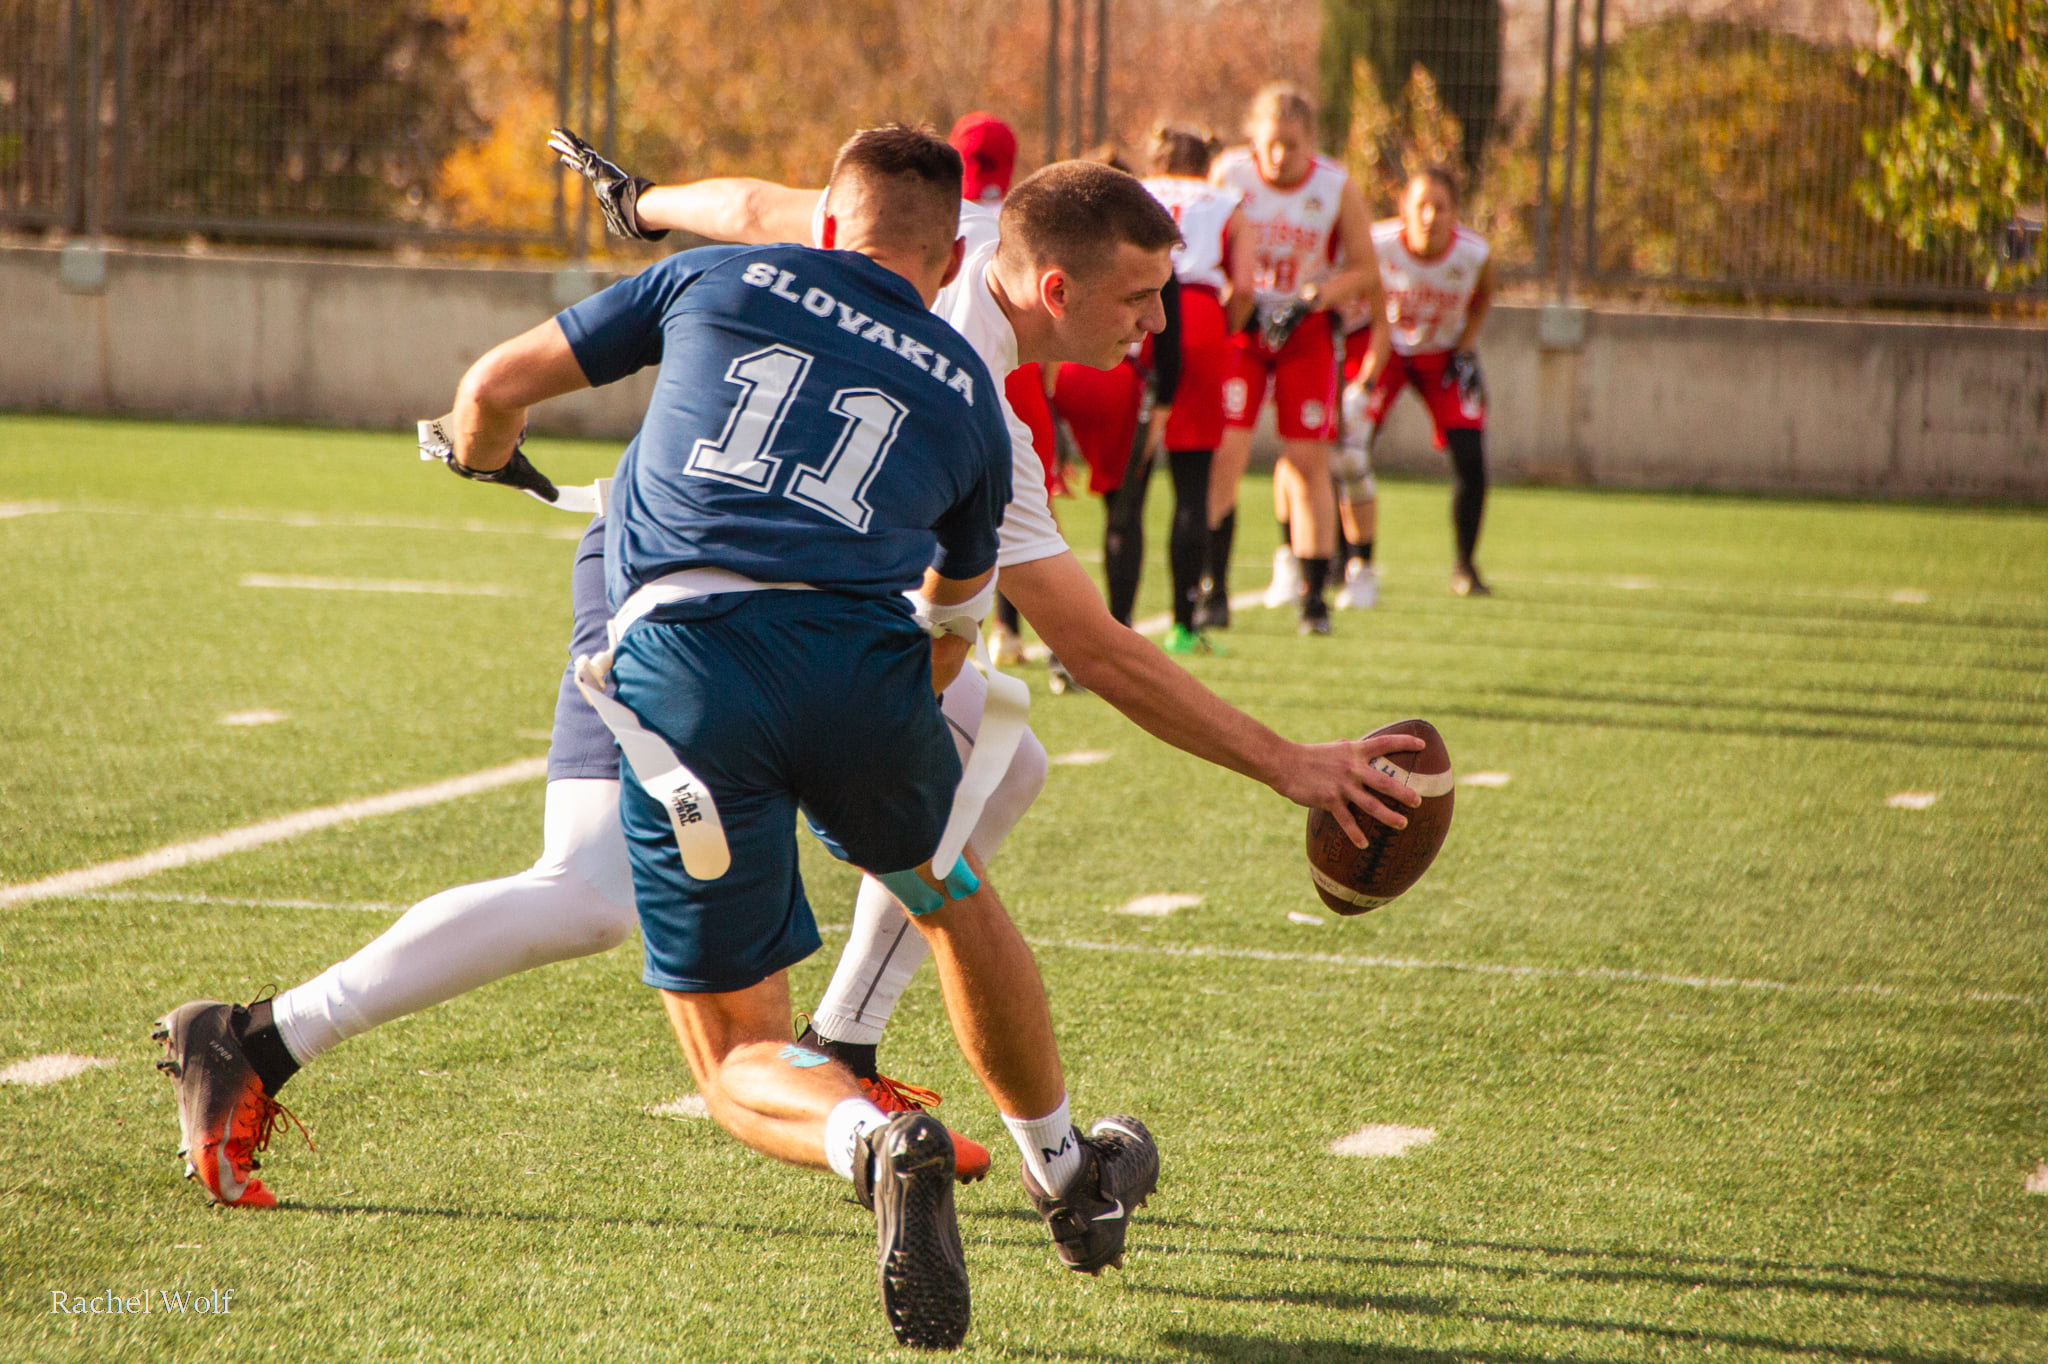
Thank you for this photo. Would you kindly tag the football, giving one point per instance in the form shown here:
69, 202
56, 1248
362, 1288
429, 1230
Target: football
1351, 879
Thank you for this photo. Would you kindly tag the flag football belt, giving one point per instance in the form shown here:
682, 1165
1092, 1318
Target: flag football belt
700, 836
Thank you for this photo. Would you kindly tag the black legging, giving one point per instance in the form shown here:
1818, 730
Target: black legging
1123, 532
1187, 549
1468, 490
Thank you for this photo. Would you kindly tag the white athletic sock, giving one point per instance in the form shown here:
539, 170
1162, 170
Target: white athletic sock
884, 949
576, 901
1048, 1146
845, 1125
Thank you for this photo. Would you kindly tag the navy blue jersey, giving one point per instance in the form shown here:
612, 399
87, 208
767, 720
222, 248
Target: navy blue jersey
812, 422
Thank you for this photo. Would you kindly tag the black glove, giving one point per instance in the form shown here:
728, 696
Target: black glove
1464, 372
517, 472
1279, 324
617, 192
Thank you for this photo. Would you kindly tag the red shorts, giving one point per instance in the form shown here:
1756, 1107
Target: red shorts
1450, 409
1205, 360
1025, 388
1303, 377
1100, 406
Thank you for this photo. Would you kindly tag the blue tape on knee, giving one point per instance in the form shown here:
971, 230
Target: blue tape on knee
920, 898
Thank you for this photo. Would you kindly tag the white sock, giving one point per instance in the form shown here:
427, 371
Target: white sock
884, 949
576, 901
1048, 1147
845, 1125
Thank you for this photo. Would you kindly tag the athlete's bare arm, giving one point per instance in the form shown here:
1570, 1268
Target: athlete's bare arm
491, 402
949, 652
1125, 669
734, 209
1241, 267
1476, 309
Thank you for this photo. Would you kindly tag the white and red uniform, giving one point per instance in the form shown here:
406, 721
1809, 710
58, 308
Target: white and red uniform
1427, 301
1294, 240
1202, 212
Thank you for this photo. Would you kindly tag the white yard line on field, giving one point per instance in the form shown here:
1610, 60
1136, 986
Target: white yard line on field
568, 529
88, 879
410, 586
171, 897
1607, 974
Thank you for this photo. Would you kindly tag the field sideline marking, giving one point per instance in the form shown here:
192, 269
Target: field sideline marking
87, 879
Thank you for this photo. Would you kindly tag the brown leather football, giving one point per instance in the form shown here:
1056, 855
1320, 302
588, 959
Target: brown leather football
1351, 879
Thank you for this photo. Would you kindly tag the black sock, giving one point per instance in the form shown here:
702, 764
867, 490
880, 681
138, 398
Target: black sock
1188, 542
1468, 491
1220, 539
1286, 534
268, 1056
1363, 553
858, 1057
1314, 573
1006, 615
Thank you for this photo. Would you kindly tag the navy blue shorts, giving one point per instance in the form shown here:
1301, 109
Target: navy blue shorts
581, 746
779, 702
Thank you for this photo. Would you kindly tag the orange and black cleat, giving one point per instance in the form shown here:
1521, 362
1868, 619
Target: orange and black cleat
224, 1114
970, 1157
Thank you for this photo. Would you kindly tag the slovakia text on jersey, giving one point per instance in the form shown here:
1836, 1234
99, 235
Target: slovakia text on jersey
812, 422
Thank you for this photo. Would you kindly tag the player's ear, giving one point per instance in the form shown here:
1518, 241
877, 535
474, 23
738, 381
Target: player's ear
828, 231
1055, 290
953, 264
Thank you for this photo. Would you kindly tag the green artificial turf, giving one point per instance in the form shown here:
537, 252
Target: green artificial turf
1726, 1058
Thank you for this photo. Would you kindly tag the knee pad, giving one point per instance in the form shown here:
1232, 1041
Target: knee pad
1352, 465
920, 898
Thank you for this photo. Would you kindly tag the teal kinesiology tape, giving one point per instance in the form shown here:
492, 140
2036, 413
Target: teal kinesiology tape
920, 898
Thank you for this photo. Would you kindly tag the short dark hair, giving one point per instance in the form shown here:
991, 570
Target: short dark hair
1178, 149
1074, 214
1443, 175
902, 181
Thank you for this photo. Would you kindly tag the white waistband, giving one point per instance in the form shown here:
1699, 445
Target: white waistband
687, 585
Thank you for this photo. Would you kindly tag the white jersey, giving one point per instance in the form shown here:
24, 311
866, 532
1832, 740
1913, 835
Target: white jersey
1028, 531
1202, 212
1427, 299
1294, 231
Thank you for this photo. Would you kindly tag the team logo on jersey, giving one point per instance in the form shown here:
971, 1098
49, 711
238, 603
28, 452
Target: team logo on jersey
1314, 414
1312, 204
1456, 274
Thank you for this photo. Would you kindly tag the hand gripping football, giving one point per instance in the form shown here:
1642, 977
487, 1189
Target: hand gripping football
1351, 879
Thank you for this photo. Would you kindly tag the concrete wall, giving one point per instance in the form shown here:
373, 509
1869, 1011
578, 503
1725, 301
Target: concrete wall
1852, 405
1841, 404
275, 337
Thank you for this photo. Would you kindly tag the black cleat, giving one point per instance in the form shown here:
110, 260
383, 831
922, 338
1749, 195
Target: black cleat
1119, 1171
1212, 612
1466, 582
1314, 622
904, 1173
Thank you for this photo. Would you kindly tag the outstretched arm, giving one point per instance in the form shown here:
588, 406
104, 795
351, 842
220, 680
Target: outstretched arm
750, 212
1125, 669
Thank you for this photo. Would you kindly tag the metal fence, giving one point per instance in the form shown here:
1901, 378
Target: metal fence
319, 120
1699, 154
1632, 145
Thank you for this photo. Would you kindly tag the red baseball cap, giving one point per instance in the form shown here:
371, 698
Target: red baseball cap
989, 149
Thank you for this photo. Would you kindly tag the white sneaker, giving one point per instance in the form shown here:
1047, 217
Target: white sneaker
1286, 585
1361, 589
